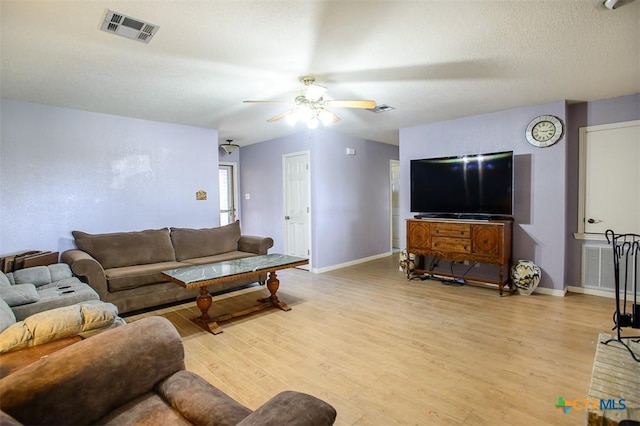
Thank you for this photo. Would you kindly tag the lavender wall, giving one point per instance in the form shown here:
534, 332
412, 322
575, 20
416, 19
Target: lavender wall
349, 194
63, 169
351, 198
603, 111
540, 186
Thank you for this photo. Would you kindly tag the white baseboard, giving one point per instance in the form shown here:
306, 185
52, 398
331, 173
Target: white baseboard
350, 263
551, 291
595, 292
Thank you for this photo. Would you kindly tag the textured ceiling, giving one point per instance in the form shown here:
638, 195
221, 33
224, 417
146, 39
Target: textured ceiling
431, 60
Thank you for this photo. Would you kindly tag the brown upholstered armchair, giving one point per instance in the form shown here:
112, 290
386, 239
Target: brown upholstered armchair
135, 374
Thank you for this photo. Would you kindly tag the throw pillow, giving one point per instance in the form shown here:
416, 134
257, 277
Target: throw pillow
19, 294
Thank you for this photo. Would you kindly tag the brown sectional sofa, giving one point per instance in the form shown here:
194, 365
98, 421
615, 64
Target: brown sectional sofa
125, 267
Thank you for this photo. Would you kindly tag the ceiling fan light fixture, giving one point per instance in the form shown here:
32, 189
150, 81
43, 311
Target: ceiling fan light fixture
313, 123
292, 118
326, 117
229, 147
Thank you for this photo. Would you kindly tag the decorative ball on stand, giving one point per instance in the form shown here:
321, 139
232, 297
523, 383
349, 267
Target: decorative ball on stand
525, 275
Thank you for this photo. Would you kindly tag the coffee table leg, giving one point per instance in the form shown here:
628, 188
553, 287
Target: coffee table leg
203, 301
273, 283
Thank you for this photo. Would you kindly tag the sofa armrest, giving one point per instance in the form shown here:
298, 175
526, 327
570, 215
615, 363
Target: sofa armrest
83, 382
255, 244
292, 409
199, 401
84, 265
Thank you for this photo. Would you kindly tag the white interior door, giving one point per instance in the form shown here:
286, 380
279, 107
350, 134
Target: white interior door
297, 205
610, 181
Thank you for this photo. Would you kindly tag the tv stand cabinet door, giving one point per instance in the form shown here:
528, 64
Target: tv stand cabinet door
488, 242
418, 237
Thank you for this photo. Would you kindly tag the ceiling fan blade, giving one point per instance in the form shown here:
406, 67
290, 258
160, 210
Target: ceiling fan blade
266, 102
334, 118
366, 104
279, 116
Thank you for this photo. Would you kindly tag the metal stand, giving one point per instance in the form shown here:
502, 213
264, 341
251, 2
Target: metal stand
626, 249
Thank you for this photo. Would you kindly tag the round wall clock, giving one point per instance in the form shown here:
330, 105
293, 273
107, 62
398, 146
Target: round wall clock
544, 130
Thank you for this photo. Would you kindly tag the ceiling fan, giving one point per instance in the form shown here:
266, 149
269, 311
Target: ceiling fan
310, 107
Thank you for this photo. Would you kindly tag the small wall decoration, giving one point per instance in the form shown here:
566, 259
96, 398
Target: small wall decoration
201, 195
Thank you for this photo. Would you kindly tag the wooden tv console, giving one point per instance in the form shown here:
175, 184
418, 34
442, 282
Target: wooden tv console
461, 240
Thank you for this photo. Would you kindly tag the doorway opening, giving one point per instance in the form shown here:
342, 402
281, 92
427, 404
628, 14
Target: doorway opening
394, 190
227, 181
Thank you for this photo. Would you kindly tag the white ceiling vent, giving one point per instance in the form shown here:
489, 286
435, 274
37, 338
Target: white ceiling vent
126, 26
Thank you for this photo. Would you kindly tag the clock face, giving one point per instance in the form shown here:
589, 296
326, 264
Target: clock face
544, 130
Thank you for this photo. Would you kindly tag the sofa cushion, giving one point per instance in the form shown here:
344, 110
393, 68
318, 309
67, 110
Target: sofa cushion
19, 294
127, 248
129, 277
61, 293
7, 317
190, 243
222, 257
148, 409
58, 323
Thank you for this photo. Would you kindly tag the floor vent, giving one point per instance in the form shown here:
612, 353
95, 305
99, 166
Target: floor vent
126, 26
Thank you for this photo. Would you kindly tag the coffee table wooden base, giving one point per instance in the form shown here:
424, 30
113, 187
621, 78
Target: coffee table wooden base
204, 301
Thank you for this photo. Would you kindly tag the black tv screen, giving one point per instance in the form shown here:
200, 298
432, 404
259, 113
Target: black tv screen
466, 185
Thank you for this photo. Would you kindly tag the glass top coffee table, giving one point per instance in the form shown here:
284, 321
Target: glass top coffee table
203, 276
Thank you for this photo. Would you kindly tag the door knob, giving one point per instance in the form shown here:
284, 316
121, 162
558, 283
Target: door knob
287, 218
591, 220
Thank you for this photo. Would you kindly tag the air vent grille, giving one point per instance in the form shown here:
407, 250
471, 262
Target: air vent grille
126, 26
381, 108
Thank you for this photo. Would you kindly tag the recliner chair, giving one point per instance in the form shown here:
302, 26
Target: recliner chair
135, 374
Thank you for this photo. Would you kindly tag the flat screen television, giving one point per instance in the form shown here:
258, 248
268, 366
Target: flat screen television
466, 186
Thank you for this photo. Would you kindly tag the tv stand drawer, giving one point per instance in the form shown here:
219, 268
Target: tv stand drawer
451, 245
445, 229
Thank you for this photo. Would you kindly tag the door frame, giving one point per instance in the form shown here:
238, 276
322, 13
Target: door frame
236, 188
284, 203
392, 162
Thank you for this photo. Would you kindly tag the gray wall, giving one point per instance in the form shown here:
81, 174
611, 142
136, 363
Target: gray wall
349, 194
64, 169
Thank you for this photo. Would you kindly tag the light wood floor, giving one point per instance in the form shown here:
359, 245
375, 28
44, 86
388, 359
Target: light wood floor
384, 351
